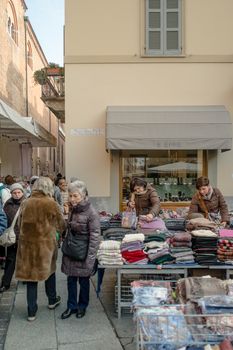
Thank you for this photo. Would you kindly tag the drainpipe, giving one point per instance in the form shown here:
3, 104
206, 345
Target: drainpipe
26, 66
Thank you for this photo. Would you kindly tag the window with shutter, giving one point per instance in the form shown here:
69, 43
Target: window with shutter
163, 27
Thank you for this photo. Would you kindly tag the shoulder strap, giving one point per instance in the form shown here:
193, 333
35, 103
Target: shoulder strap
2, 187
15, 218
203, 206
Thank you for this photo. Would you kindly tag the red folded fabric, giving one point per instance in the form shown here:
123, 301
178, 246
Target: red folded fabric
134, 256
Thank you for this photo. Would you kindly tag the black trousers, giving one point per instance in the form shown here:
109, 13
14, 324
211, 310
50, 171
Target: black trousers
84, 292
9, 266
50, 290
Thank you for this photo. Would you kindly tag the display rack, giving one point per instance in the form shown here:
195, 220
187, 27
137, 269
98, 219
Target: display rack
156, 326
147, 269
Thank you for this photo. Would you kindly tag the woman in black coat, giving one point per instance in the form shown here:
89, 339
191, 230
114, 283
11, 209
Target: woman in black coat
10, 208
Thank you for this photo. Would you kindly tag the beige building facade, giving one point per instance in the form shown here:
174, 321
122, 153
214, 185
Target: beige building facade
134, 66
31, 137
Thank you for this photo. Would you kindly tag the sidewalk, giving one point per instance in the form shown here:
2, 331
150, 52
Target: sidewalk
49, 332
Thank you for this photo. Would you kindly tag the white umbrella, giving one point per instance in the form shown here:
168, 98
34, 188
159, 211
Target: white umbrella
177, 166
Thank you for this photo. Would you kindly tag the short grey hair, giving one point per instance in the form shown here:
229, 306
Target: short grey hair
78, 186
45, 185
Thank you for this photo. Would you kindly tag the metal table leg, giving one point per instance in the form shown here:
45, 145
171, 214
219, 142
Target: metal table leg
119, 292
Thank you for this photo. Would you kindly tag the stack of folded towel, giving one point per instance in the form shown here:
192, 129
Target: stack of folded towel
109, 253
132, 249
204, 245
225, 251
180, 248
157, 248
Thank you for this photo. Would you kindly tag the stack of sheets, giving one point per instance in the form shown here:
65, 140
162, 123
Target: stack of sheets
132, 249
109, 253
180, 248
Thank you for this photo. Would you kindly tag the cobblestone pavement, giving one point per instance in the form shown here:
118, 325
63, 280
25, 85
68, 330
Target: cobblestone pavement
6, 306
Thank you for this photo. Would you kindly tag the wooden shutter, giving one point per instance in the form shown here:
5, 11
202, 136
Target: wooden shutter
163, 27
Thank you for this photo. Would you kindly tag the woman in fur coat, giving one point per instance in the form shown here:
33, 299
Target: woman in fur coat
37, 247
84, 223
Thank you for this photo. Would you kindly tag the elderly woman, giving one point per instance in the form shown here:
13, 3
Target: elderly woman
10, 208
208, 202
84, 227
37, 247
144, 199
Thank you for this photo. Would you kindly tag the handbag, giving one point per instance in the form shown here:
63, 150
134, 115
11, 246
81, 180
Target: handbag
75, 246
8, 237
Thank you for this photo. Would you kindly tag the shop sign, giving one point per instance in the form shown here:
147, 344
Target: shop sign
87, 132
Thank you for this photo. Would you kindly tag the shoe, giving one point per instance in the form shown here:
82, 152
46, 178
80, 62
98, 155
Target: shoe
68, 313
80, 313
3, 289
54, 305
32, 315
31, 318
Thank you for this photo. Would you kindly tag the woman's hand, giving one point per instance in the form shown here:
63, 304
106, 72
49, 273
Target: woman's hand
66, 208
149, 217
131, 204
223, 223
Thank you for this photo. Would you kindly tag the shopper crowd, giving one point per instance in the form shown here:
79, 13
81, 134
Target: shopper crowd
50, 211
46, 208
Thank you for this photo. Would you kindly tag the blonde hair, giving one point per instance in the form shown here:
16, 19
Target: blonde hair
45, 185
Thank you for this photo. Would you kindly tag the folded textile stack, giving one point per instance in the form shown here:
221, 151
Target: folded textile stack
156, 224
132, 249
151, 232
201, 223
157, 249
225, 251
104, 220
115, 220
175, 224
174, 214
204, 246
180, 248
116, 233
109, 253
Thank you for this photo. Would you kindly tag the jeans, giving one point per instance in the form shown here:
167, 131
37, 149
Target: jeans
10, 265
50, 290
84, 291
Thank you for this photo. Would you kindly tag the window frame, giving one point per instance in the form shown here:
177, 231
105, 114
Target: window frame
163, 51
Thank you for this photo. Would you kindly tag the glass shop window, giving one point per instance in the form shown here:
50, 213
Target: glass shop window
172, 172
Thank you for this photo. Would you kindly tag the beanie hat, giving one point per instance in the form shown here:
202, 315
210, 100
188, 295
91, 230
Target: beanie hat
16, 186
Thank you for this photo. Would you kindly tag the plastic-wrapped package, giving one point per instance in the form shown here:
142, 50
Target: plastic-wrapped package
163, 325
149, 295
219, 304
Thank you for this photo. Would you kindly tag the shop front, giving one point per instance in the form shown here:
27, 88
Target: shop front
170, 147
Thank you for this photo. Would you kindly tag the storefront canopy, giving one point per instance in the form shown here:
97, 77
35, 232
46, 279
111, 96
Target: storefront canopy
23, 129
185, 127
